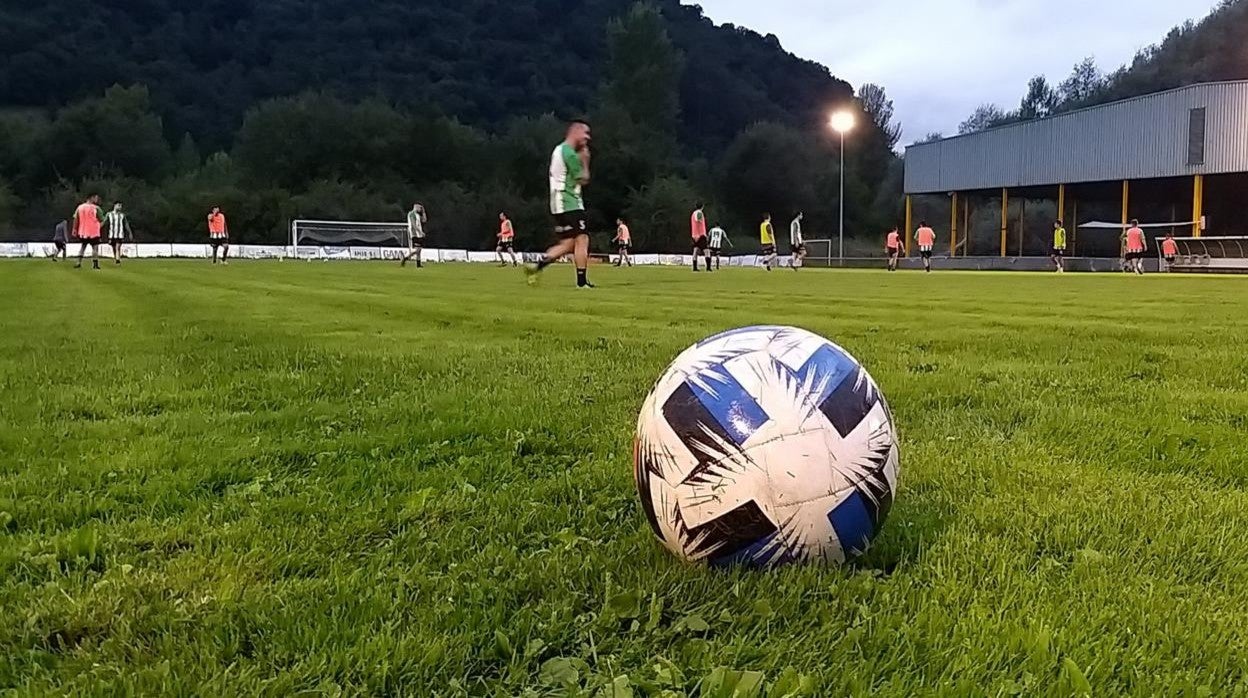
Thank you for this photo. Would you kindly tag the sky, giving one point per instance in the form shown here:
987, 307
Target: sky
940, 59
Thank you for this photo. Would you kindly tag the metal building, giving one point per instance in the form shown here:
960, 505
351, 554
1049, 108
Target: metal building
1167, 146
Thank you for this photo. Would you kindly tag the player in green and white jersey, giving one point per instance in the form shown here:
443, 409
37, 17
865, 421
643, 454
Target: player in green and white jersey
797, 244
119, 231
718, 238
569, 173
416, 219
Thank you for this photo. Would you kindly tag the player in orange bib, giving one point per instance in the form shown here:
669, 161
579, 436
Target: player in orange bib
87, 222
218, 234
1169, 250
697, 231
624, 243
1136, 247
506, 240
926, 238
892, 247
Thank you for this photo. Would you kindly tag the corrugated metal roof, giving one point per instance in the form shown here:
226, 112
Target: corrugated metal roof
1140, 138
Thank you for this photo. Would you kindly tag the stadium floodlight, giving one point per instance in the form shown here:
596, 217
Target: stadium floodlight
842, 122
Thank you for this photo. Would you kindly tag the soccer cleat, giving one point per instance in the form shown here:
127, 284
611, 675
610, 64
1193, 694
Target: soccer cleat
586, 285
95, 264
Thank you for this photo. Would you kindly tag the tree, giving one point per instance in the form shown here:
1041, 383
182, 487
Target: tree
1082, 85
1040, 100
117, 133
985, 116
772, 168
643, 70
879, 108
658, 214
931, 137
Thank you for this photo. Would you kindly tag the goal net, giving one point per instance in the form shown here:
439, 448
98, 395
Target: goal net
1208, 254
336, 238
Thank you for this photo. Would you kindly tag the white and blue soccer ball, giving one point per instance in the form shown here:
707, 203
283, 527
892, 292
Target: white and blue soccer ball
766, 446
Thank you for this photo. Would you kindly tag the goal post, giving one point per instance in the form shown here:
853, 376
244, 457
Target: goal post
1225, 255
322, 233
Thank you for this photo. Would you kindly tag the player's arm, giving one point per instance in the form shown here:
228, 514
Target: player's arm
583, 156
74, 228
728, 239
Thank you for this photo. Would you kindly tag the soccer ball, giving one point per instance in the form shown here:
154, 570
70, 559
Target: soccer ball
765, 446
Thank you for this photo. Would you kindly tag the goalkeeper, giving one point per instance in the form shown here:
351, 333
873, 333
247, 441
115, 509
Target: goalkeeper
416, 219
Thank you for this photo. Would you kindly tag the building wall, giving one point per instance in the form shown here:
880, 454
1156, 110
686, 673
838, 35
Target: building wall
1141, 138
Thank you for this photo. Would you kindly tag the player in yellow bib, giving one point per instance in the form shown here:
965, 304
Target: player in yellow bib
1059, 246
767, 241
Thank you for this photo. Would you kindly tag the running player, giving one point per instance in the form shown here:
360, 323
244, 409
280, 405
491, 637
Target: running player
87, 218
416, 219
767, 240
892, 246
796, 244
697, 230
1059, 246
1169, 250
623, 242
569, 173
718, 238
60, 238
926, 238
118, 230
506, 240
219, 235
1136, 247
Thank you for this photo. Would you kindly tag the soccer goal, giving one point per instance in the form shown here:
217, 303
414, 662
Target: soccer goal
335, 239
1227, 255
820, 253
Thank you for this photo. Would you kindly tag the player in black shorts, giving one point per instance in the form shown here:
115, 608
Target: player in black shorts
569, 173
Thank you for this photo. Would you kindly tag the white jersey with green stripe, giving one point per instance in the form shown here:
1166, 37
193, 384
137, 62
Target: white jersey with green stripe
717, 236
795, 232
566, 170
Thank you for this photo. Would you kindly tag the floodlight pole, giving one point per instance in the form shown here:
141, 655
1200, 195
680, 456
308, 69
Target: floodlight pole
841, 234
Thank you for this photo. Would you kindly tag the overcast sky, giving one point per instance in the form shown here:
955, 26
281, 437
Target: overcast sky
939, 59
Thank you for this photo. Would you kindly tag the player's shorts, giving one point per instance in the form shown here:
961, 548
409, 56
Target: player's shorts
714, 249
506, 246
1170, 259
571, 224
894, 251
701, 242
1059, 251
60, 244
624, 246
218, 240
798, 248
768, 250
1135, 254
926, 252
116, 237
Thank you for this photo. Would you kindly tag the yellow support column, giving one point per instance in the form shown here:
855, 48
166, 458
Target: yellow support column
1061, 203
1198, 204
953, 226
1126, 212
966, 227
1005, 217
909, 223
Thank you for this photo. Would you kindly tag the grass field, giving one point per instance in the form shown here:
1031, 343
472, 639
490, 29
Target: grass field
279, 478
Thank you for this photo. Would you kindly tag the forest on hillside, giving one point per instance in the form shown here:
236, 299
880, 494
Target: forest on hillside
1209, 50
354, 109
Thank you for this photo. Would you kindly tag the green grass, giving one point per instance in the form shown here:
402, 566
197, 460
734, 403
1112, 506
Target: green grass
353, 478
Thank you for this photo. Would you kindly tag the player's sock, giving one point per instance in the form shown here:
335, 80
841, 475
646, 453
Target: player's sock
95, 264
581, 281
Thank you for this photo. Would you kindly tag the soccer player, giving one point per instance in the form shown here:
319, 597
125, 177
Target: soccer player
767, 240
60, 238
624, 242
506, 240
796, 243
416, 219
718, 238
697, 230
87, 219
1169, 249
1059, 246
118, 230
569, 173
926, 238
893, 247
1136, 247
219, 235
